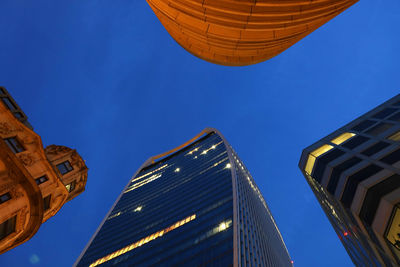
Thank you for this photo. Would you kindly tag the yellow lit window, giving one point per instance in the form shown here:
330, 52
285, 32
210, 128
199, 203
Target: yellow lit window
147, 174
393, 234
145, 240
114, 215
139, 208
395, 137
143, 182
342, 138
314, 155
325, 148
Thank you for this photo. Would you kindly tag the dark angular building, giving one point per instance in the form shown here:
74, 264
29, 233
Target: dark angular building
355, 175
194, 205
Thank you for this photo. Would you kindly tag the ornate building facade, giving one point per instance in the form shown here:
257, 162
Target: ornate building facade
196, 205
355, 175
35, 182
237, 33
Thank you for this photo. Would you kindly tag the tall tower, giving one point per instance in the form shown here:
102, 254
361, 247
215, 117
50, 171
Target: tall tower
355, 175
237, 33
194, 205
34, 182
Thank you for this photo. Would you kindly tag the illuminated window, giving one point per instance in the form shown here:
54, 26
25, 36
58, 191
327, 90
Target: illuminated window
342, 138
142, 241
177, 170
143, 182
314, 155
41, 180
393, 232
70, 187
149, 173
325, 148
7, 227
138, 209
222, 226
14, 144
114, 215
5, 197
192, 151
395, 136
212, 147
64, 167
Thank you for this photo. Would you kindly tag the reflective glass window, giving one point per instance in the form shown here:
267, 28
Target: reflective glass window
14, 144
384, 113
380, 128
363, 125
64, 167
375, 148
5, 197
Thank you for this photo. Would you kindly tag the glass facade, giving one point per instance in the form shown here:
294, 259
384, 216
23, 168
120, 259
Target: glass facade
182, 211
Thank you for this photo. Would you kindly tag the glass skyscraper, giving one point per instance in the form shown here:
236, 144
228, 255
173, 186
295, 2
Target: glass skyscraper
355, 175
194, 205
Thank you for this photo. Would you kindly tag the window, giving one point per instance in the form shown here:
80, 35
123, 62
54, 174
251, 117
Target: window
8, 103
354, 180
397, 103
71, 186
395, 117
391, 158
342, 138
355, 142
393, 233
395, 136
14, 144
380, 128
41, 180
384, 113
374, 195
64, 167
5, 197
7, 227
363, 125
323, 161
375, 148
46, 202
18, 115
314, 155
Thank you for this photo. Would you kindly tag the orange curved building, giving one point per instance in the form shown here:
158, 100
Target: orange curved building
243, 32
35, 182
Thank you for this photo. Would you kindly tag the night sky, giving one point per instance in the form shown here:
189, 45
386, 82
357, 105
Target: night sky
105, 78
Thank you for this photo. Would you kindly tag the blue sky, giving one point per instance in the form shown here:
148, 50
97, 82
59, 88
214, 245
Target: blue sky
105, 78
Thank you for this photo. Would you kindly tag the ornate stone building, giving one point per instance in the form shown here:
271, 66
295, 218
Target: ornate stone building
35, 182
237, 33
